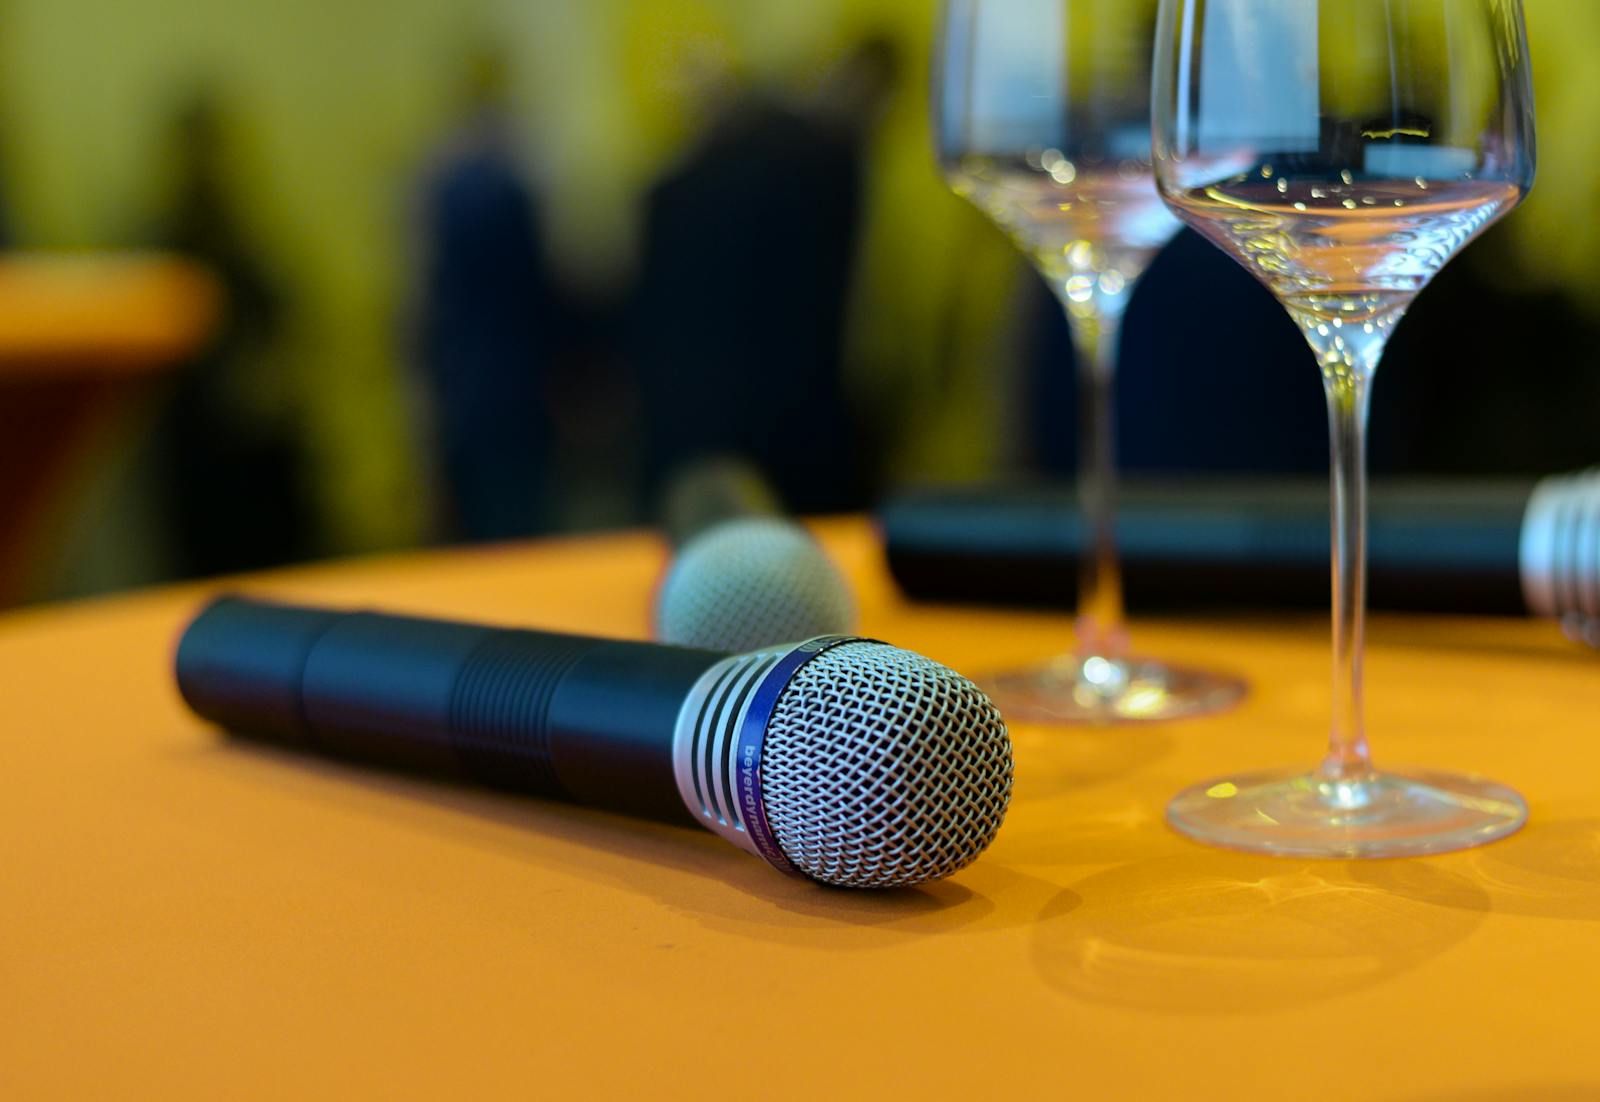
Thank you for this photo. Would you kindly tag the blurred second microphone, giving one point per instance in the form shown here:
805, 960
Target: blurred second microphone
742, 575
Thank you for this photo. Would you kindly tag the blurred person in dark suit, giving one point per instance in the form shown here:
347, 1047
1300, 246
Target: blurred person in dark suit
489, 319
1489, 375
748, 259
1481, 378
227, 444
1213, 377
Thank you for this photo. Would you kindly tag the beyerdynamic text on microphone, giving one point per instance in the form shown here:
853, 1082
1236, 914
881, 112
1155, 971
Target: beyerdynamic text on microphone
907, 783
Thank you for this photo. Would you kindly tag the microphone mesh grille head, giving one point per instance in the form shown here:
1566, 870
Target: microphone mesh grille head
750, 583
881, 767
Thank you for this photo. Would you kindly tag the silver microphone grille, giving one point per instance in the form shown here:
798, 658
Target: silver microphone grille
749, 583
880, 767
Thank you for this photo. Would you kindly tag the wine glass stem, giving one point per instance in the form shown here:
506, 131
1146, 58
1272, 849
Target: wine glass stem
1347, 392
1101, 631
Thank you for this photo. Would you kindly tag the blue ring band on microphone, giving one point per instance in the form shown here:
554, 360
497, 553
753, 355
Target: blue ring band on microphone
752, 731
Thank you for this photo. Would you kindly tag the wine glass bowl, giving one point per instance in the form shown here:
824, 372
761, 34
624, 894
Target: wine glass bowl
1042, 117
1344, 151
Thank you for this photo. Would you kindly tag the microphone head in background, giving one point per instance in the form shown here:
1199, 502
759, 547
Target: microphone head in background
749, 583
1560, 553
850, 762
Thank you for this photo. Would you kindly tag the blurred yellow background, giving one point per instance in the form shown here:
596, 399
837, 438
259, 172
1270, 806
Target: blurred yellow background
333, 106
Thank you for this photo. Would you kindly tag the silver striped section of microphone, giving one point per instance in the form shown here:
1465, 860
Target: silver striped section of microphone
1560, 553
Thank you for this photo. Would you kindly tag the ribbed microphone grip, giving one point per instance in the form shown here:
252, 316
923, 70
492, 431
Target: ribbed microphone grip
500, 708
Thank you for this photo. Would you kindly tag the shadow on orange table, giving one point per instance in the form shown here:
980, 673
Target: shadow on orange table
1549, 869
1211, 932
1477, 636
683, 868
82, 337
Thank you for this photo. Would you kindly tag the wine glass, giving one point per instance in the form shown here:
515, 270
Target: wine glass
1042, 120
1344, 151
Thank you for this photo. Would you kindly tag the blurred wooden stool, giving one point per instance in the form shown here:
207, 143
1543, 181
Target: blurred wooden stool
82, 335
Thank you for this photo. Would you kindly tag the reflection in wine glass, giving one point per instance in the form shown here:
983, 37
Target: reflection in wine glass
1377, 138
1042, 112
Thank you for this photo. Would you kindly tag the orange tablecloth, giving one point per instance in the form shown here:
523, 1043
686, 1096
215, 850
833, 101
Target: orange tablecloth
182, 917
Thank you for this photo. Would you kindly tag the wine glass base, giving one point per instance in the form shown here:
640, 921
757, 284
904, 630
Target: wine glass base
1074, 689
1300, 814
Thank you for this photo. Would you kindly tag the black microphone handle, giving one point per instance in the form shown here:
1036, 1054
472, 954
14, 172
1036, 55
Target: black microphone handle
561, 716
1193, 544
711, 490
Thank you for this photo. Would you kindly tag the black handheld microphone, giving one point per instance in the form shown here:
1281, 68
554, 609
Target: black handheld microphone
1497, 548
842, 759
743, 575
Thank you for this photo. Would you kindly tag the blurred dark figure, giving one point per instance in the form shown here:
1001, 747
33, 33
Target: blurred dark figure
594, 403
227, 444
1215, 378
489, 315
1487, 377
749, 254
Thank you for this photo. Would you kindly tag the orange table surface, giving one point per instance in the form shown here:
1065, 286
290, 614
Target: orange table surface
185, 917
100, 314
